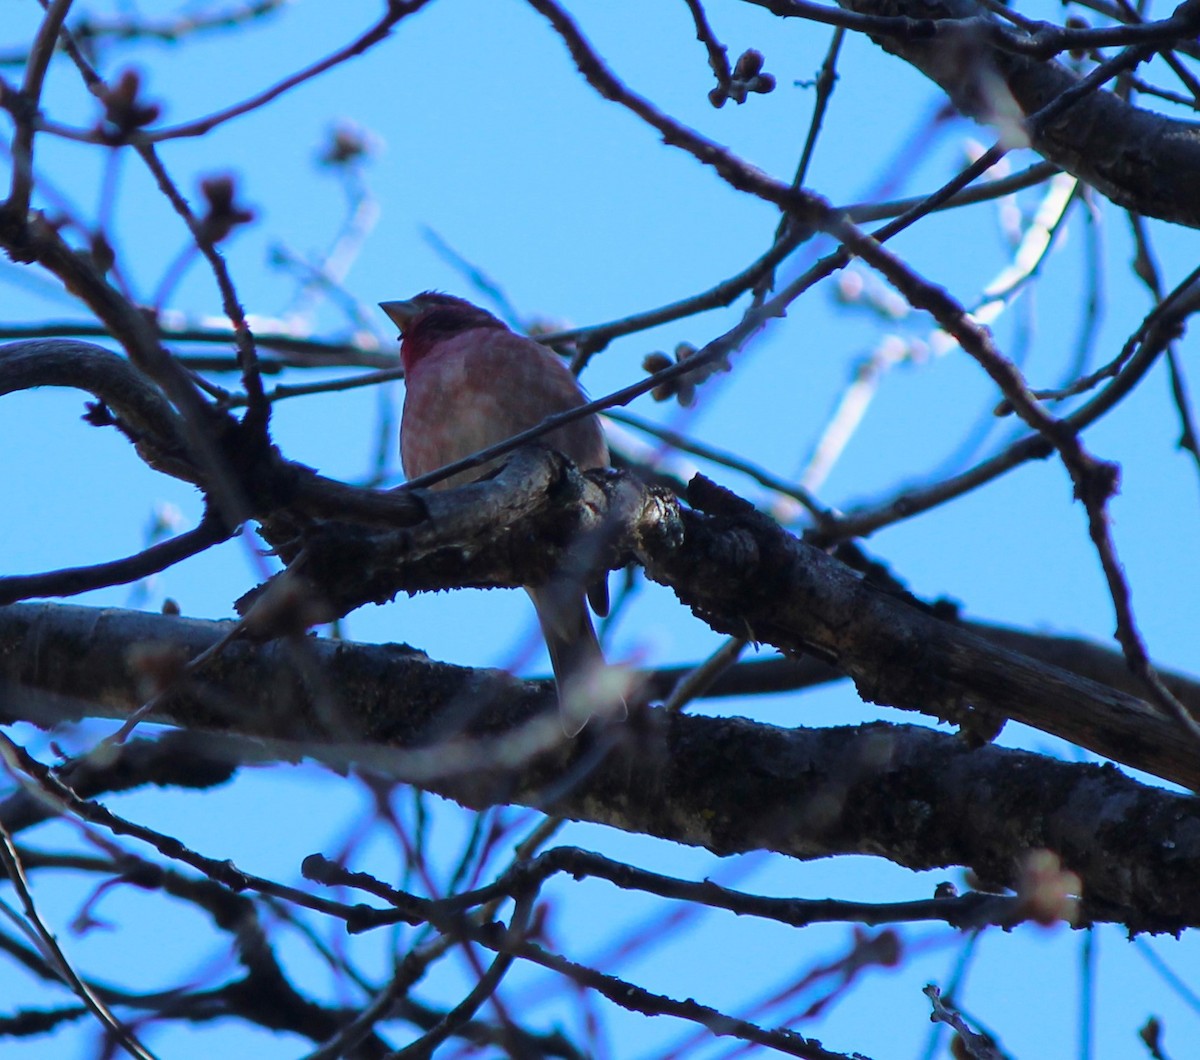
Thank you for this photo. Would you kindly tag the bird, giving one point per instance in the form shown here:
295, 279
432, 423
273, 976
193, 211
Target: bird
471, 382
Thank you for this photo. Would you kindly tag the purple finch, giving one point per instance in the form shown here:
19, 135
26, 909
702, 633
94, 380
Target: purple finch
470, 383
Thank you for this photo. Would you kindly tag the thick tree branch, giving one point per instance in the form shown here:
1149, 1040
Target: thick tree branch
738, 570
742, 575
142, 410
774, 673
745, 576
1140, 160
904, 793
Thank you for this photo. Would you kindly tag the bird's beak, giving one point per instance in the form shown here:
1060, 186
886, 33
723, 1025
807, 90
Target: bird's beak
400, 313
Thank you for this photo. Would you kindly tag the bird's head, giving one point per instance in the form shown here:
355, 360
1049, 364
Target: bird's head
427, 318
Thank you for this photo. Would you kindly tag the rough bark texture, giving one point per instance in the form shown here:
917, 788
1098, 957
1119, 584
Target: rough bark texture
919, 798
744, 575
1144, 161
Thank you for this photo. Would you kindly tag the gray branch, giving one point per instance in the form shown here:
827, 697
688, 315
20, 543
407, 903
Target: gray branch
1141, 160
919, 798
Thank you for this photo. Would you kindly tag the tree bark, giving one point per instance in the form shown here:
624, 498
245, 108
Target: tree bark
918, 798
1141, 160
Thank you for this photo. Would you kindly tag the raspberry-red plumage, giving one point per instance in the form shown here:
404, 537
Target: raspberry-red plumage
470, 383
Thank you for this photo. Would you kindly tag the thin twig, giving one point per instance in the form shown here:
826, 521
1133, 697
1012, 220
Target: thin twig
484, 988
396, 11
1146, 268
699, 679
726, 459
718, 54
975, 1045
224, 871
1095, 480
58, 959
210, 531
42, 50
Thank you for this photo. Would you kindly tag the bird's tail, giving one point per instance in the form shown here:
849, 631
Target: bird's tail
586, 685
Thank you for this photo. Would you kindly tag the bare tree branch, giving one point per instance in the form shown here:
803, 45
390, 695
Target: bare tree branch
722, 783
1141, 160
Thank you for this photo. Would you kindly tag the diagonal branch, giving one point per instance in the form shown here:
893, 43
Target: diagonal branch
1137, 158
